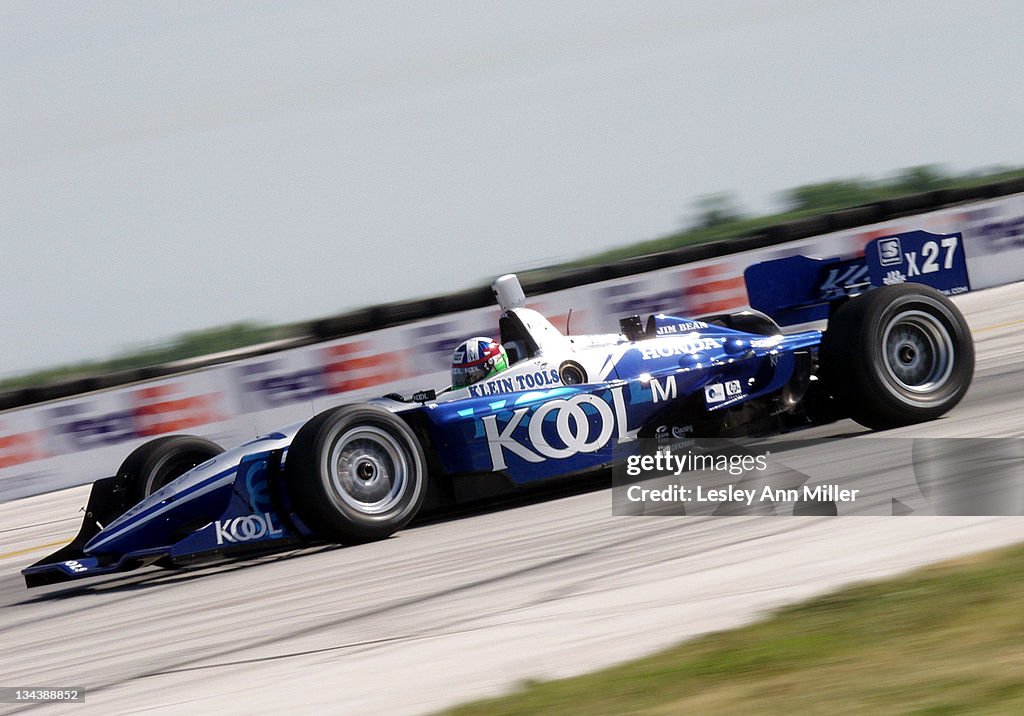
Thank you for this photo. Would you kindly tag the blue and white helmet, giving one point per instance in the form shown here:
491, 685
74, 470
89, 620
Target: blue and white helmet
476, 359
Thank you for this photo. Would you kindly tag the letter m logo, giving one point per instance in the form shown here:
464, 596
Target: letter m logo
668, 392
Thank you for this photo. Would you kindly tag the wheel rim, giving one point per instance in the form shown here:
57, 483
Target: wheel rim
369, 470
917, 351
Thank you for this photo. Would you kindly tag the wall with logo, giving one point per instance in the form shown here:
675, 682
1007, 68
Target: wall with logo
75, 441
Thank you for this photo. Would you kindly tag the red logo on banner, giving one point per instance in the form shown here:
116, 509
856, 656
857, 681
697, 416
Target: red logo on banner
350, 366
155, 414
713, 288
19, 448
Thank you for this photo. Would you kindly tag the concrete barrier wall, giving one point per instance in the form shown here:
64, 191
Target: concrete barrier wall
74, 441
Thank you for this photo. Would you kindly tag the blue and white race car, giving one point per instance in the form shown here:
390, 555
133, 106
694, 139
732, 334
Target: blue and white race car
539, 405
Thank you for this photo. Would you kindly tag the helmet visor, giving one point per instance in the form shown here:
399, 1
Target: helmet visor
467, 375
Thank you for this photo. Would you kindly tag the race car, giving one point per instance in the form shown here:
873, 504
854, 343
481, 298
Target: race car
536, 405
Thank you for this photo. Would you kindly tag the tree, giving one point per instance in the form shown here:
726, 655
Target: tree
716, 209
927, 177
830, 195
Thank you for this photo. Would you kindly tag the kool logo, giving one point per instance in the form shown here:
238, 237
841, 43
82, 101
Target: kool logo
246, 528
582, 424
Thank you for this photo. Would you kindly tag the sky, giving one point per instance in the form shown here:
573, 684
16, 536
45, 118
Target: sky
173, 166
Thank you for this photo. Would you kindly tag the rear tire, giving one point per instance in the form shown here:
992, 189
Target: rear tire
356, 473
898, 355
157, 462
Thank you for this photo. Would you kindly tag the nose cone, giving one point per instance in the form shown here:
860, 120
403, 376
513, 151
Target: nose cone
189, 502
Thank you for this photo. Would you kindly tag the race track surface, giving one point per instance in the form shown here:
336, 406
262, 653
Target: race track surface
466, 607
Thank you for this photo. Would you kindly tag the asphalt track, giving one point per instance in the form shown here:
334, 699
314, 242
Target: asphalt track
467, 607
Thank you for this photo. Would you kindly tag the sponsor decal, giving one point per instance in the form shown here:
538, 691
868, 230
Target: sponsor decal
839, 280
889, 252
894, 277
581, 424
684, 327
714, 393
660, 392
681, 431
769, 342
663, 433
246, 528
675, 348
515, 383
257, 487
722, 394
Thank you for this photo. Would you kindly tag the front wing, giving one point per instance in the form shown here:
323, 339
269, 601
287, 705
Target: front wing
252, 519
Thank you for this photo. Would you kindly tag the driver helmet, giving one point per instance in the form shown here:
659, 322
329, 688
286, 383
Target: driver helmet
476, 359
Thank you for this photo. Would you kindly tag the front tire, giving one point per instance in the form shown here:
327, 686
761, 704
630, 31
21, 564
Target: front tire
356, 473
157, 462
898, 355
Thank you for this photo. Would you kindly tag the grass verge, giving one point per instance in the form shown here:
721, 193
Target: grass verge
942, 640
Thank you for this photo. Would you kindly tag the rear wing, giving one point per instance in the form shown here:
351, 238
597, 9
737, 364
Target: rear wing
799, 289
